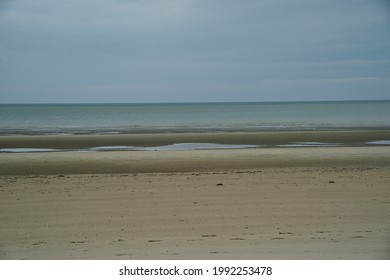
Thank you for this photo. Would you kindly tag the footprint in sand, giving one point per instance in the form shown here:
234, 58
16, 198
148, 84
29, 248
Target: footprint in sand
40, 243
216, 252
122, 254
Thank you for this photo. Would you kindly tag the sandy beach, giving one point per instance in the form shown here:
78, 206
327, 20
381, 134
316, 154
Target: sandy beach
263, 203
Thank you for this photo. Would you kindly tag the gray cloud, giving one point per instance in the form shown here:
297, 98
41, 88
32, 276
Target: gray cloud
193, 50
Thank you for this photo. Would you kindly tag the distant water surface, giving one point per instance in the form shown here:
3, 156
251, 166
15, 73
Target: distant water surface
38, 119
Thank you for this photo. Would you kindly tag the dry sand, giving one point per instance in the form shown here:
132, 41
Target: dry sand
276, 203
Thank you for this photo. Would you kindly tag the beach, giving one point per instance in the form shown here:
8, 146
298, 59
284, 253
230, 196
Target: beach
276, 201
352, 137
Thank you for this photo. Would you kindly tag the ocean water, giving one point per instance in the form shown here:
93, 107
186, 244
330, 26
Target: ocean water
42, 119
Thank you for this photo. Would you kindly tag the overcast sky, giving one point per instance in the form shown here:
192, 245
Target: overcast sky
193, 50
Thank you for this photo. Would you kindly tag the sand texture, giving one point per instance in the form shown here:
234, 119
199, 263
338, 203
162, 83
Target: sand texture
266, 139
276, 203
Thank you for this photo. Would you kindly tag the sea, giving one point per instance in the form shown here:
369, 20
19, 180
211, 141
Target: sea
68, 119
84, 119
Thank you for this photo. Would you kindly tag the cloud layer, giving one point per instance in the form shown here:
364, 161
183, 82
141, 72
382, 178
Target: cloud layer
193, 50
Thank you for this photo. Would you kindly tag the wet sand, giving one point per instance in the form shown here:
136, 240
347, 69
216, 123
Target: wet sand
266, 139
275, 203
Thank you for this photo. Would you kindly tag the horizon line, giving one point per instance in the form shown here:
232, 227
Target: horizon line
194, 102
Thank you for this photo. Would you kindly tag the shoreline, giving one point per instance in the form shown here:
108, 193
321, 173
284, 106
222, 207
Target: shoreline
264, 139
91, 131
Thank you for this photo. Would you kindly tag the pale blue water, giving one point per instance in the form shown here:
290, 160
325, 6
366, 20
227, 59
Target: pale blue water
191, 117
